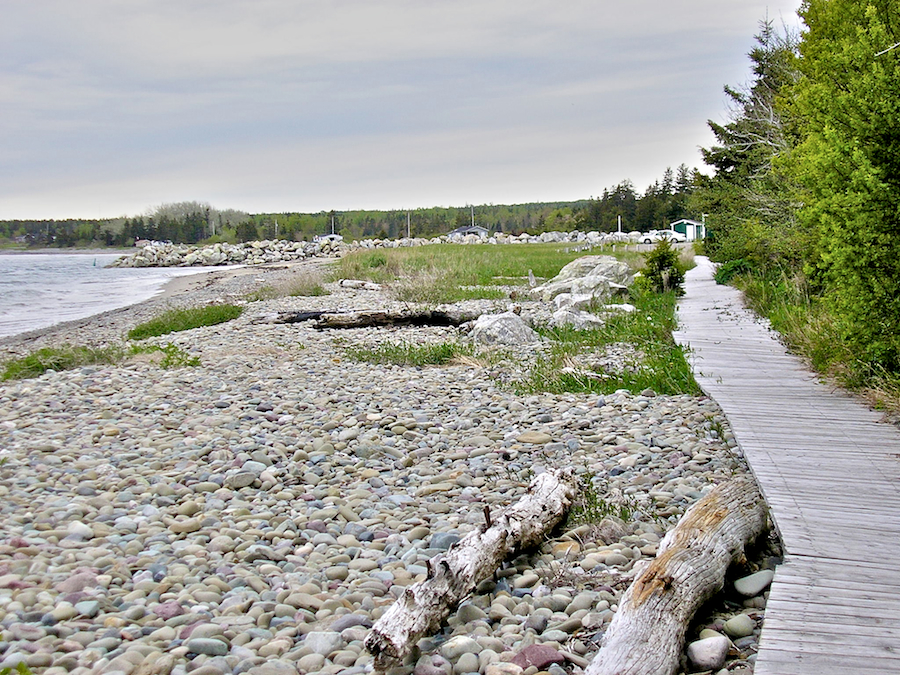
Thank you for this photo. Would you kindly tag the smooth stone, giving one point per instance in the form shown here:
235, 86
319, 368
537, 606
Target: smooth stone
311, 663
709, 653
323, 642
470, 612
503, 668
739, 626
754, 584
534, 437
88, 608
458, 645
443, 540
539, 656
467, 663
208, 646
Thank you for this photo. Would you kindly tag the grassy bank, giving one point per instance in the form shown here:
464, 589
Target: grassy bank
572, 360
812, 332
449, 273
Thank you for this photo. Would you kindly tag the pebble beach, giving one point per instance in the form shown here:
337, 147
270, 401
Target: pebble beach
257, 513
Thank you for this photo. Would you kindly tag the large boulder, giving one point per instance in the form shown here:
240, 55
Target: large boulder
599, 276
507, 328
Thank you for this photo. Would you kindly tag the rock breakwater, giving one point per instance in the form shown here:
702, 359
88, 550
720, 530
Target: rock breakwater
162, 254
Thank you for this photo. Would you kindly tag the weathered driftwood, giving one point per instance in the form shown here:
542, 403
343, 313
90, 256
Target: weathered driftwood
646, 635
453, 576
403, 318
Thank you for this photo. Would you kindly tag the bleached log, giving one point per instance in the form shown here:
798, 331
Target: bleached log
646, 636
452, 577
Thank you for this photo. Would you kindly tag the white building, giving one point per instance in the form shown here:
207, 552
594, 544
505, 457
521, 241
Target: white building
691, 229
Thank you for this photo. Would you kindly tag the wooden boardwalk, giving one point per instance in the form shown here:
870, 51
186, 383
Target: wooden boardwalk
830, 472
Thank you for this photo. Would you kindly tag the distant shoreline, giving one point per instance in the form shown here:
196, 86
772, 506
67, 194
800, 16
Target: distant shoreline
67, 251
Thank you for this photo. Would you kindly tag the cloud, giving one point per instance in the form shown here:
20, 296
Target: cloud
295, 105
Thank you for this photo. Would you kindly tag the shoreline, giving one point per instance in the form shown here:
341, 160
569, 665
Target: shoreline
203, 287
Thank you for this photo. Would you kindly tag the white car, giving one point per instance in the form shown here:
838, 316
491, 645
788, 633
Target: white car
658, 235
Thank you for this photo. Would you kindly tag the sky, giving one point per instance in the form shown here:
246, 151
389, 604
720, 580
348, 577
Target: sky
110, 108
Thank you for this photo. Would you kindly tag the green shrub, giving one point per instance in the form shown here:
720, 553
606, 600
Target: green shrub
175, 320
728, 270
65, 357
663, 268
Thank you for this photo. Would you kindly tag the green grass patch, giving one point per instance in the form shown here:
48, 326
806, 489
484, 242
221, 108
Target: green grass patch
408, 354
448, 273
657, 362
175, 320
65, 357
169, 355
302, 285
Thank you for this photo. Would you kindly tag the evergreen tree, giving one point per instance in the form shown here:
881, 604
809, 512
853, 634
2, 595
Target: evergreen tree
848, 163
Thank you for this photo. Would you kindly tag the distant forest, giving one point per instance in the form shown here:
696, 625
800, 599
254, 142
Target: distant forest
664, 201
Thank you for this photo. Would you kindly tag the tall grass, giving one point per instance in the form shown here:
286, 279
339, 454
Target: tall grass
175, 320
305, 284
658, 363
810, 330
450, 272
65, 357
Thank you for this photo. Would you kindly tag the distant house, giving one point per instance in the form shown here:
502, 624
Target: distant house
691, 229
470, 229
321, 238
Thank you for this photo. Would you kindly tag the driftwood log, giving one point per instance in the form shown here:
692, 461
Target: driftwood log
646, 635
452, 577
379, 318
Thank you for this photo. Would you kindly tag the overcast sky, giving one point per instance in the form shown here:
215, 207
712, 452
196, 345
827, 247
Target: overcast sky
108, 108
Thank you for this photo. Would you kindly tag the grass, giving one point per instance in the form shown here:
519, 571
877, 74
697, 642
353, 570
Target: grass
408, 354
449, 273
68, 357
170, 355
65, 357
809, 330
658, 363
301, 285
175, 320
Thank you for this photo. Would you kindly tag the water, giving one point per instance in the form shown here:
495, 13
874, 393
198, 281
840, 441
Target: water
38, 290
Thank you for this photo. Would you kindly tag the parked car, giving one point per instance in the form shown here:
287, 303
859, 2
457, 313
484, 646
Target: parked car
657, 235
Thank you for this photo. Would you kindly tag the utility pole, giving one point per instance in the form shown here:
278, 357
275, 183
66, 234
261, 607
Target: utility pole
473, 215
619, 221
407, 225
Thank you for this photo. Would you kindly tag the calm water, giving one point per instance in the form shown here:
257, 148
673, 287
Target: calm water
42, 289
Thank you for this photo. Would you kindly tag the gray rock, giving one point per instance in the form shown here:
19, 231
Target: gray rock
709, 653
208, 646
739, 626
323, 642
503, 329
443, 540
754, 584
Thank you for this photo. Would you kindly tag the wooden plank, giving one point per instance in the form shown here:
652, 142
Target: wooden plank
829, 469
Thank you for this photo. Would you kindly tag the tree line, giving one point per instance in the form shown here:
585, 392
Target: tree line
664, 201
805, 192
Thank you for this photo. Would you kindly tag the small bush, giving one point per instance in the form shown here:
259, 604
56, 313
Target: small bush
728, 270
65, 357
663, 268
176, 320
